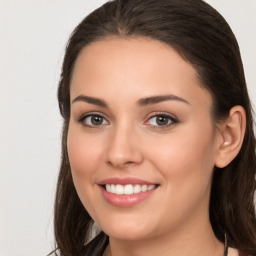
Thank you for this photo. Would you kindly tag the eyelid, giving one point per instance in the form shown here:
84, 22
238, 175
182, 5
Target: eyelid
173, 118
85, 115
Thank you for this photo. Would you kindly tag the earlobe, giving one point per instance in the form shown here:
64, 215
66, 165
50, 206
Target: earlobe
232, 134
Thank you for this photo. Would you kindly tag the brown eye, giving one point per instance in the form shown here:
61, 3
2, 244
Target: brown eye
93, 120
96, 120
161, 120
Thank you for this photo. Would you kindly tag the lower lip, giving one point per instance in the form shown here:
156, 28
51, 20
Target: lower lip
126, 200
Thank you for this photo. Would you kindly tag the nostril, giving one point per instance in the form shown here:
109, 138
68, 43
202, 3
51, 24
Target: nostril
129, 163
120, 164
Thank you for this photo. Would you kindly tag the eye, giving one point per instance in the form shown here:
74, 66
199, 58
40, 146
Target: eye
93, 120
161, 120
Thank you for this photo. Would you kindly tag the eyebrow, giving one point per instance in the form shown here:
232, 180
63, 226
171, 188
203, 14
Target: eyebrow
91, 100
157, 99
141, 102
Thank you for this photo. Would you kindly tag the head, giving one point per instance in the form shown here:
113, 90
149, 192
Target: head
196, 35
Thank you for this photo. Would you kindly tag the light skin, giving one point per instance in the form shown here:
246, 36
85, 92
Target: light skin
138, 110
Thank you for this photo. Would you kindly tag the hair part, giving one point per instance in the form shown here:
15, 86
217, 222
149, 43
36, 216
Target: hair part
203, 38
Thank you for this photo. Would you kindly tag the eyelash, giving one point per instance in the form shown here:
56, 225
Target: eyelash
84, 117
171, 120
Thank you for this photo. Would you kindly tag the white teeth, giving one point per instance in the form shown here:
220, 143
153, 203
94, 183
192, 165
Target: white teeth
151, 187
137, 189
112, 189
108, 187
128, 189
119, 189
144, 188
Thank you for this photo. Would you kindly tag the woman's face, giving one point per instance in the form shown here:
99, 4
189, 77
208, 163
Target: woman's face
141, 128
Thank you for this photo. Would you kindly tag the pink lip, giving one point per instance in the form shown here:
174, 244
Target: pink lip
125, 200
125, 181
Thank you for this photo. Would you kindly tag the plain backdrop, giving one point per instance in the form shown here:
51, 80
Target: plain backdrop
33, 35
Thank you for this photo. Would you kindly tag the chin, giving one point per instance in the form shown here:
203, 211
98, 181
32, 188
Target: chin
127, 236
127, 231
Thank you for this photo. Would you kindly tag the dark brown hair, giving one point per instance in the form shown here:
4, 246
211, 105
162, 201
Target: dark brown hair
203, 38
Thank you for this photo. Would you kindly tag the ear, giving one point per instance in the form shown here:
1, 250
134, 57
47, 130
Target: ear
232, 132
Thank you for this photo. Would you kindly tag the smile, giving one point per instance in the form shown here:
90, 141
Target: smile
126, 192
128, 189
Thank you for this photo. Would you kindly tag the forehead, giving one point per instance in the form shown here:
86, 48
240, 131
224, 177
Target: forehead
137, 67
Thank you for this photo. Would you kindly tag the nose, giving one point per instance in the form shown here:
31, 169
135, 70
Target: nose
123, 148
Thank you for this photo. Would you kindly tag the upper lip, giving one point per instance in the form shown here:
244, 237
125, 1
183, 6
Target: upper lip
125, 181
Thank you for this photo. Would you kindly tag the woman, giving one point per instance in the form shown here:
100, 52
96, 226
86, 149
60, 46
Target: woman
158, 148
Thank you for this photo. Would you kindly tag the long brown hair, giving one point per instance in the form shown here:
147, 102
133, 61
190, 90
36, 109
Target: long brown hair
203, 38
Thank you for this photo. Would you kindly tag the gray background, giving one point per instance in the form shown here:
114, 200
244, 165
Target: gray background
33, 35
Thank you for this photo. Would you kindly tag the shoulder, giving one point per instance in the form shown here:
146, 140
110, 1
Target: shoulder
232, 252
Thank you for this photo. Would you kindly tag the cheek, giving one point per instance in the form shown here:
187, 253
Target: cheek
186, 164
181, 151
83, 154
186, 160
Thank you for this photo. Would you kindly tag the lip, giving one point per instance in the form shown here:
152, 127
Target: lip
125, 200
125, 181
